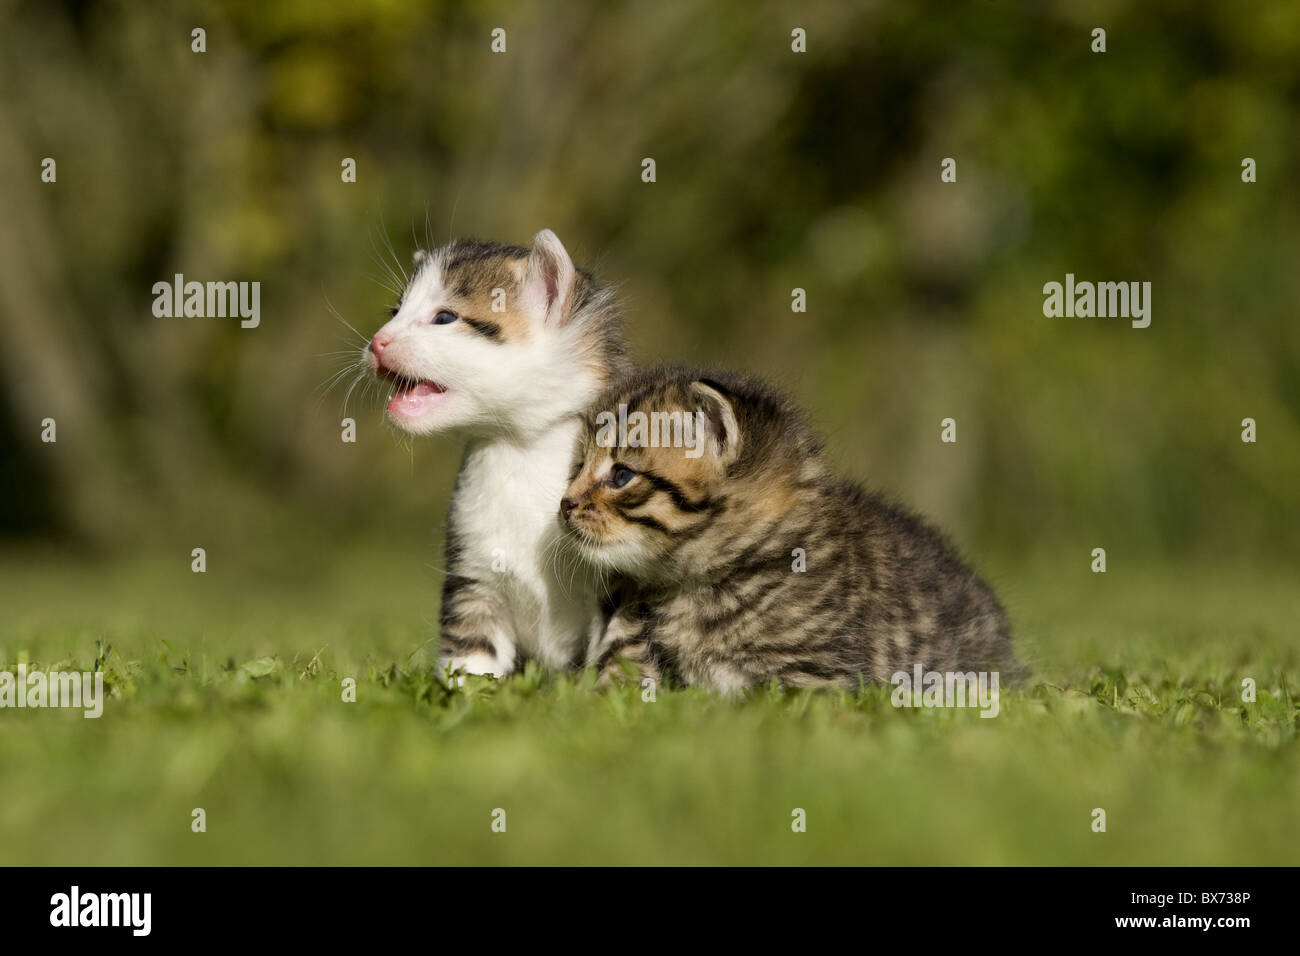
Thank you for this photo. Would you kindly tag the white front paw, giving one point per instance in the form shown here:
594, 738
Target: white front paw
479, 662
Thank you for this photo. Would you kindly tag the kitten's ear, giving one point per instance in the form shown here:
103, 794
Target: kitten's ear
721, 428
550, 277
419, 258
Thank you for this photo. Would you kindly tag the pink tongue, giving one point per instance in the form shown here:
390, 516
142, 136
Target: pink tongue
413, 399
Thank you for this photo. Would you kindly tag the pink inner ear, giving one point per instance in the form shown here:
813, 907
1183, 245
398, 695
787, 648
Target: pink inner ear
551, 277
549, 265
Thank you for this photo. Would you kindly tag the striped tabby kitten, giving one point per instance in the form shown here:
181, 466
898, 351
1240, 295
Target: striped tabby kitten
737, 557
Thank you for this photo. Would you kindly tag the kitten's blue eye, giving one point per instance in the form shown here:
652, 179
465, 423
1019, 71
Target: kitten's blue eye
621, 475
444, 318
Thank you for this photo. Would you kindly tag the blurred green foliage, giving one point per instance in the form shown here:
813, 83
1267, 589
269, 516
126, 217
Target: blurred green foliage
776, 170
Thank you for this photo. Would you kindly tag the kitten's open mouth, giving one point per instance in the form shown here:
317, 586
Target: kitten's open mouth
411, 396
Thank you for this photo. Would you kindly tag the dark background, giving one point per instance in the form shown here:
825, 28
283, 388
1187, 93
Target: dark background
775, 170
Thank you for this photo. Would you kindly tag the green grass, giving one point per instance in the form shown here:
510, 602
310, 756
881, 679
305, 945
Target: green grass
226, 695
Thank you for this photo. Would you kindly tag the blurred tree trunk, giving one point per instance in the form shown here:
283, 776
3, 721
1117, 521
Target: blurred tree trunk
49, 369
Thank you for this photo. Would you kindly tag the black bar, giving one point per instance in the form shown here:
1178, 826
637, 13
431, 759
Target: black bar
333, 905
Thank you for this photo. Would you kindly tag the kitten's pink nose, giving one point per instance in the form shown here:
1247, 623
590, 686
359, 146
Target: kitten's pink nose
379, 343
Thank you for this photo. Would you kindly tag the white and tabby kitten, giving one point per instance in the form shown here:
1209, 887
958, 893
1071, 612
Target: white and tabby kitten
507, 346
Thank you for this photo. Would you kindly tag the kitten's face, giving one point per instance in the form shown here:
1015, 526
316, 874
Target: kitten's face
474, 341
632, 504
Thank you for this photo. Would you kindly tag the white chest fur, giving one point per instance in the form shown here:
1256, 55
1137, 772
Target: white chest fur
506, 513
